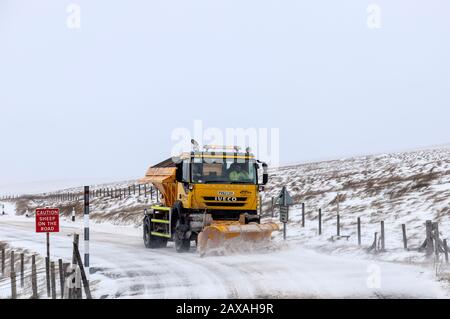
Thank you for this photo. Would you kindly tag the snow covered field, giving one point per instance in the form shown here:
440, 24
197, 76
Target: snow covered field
404, 188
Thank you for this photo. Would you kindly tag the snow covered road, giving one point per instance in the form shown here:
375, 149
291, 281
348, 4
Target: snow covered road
123, 268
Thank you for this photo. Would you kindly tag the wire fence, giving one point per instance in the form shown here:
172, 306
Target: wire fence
32, 277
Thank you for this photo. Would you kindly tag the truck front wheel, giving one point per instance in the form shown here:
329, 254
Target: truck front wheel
181, 243
181, 237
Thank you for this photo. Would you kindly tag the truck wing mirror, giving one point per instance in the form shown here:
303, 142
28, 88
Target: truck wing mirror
265, 174
265, 179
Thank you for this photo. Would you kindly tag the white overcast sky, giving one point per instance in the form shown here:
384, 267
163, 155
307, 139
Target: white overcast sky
101, 102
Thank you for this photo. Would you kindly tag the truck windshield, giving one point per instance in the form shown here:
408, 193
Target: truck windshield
223, 171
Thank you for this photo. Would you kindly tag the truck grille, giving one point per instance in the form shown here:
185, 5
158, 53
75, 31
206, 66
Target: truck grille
225, 204
238, 199
213, 202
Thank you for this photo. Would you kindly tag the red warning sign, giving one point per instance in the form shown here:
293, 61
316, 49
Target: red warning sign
47, 220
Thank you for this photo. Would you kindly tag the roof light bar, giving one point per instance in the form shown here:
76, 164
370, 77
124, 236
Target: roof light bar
221, 147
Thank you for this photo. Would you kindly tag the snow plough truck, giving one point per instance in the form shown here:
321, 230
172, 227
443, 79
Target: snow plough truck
210, 197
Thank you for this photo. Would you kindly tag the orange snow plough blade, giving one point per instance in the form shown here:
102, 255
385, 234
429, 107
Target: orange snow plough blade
218, 235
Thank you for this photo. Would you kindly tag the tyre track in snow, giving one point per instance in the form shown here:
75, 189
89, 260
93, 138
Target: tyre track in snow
126, 269
213, 275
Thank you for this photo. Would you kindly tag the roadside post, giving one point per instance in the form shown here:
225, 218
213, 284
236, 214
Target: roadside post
273, 205
86, 230
284, 217
284, 200
338, 217
47, 221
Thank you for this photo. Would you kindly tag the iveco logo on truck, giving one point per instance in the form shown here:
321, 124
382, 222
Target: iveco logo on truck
225, 199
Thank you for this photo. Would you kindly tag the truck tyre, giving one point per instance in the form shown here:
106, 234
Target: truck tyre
151, 241
182, 244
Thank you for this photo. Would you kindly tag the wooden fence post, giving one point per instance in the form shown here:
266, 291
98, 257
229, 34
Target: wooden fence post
53, 279
13, 285
445, 250
34, 277
375, 241
76, 239
359, 230
436, 239
338, 219
303, 214
429, 239
3, 261
66, 292
21, 269
83, 274
405, 240
74, 262
61, 277
338, 225
75, 292
320, 221
272, 201
12, 261
260, 205
382, 236
52, 270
